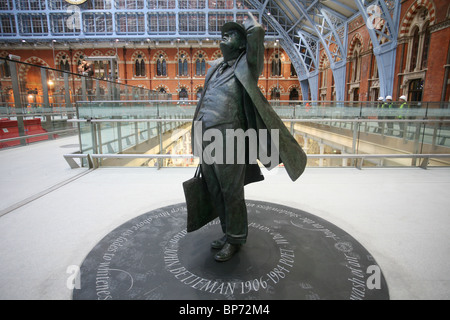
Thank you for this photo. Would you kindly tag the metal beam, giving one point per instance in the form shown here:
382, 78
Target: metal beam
285, 40
382, 21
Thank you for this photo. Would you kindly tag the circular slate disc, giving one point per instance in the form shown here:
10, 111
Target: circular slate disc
289, 254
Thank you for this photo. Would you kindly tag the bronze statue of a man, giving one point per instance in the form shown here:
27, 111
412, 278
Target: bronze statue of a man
232, 101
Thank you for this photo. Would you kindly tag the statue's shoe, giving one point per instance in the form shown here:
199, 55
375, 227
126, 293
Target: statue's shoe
219, 243
227, 252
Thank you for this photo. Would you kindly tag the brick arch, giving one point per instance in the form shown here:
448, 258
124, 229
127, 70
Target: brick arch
292, 86
261, 87
186, 55
96, 53
59, 56
197, 53
158, 53
280, 87
136, 53
162, 86
411, 12
183, 86
111, 53
216, 55
198, 86
282, 57
323, 61
23, 69
355, 39
76, 56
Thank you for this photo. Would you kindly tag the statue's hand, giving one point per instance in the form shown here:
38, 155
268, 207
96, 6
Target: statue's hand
250, 21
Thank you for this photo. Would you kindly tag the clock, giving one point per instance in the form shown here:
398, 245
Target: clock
76, 1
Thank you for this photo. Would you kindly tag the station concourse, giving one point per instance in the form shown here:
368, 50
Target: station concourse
92, 162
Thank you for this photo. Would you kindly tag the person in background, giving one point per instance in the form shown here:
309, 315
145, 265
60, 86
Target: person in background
388, 105
380, 102
401, 116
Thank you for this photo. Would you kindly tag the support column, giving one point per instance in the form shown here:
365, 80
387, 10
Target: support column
304, 85
384, 37
67, 101
314, 87
339, 80
386, 68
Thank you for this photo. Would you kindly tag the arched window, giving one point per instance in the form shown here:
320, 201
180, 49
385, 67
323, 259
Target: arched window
182, 66
183, 95
415, 90
293, 95
293, 71
426, 45
275, 94
276, 66
199, 93
139, 67
414, 49
200, 66
64, 64
161, 66
356, 64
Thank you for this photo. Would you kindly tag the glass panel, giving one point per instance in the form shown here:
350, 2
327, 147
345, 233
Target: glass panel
33, 103
37, 101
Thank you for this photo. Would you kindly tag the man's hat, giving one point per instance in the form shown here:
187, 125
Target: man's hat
233, 26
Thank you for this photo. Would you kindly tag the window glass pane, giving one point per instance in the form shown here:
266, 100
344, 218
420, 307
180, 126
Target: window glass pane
130, 23
97, 23
220, 4
6, 5
30, 5
33, 24
7, 25
216, 20
161, 4
129, 4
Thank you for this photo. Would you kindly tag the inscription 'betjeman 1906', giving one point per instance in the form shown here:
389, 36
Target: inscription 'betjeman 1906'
266, 281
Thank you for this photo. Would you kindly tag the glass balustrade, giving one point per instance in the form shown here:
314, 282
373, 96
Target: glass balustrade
36, 102
122, 125
333, 134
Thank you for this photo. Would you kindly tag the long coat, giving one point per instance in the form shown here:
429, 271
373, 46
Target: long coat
259, 113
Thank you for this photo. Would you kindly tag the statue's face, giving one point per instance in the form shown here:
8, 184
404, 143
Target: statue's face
231, 45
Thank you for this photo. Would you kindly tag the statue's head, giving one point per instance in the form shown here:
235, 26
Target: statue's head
234, 40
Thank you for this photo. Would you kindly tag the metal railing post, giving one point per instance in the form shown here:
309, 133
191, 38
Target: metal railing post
46, 106
17, 101
69, 107
83, 89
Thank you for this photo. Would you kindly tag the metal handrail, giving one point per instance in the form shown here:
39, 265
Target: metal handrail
69, 157
37, 135
358, 120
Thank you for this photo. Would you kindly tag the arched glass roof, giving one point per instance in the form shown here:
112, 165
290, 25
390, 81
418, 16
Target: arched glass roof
302, 27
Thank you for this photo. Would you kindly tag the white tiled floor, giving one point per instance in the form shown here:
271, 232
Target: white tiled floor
401, 216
